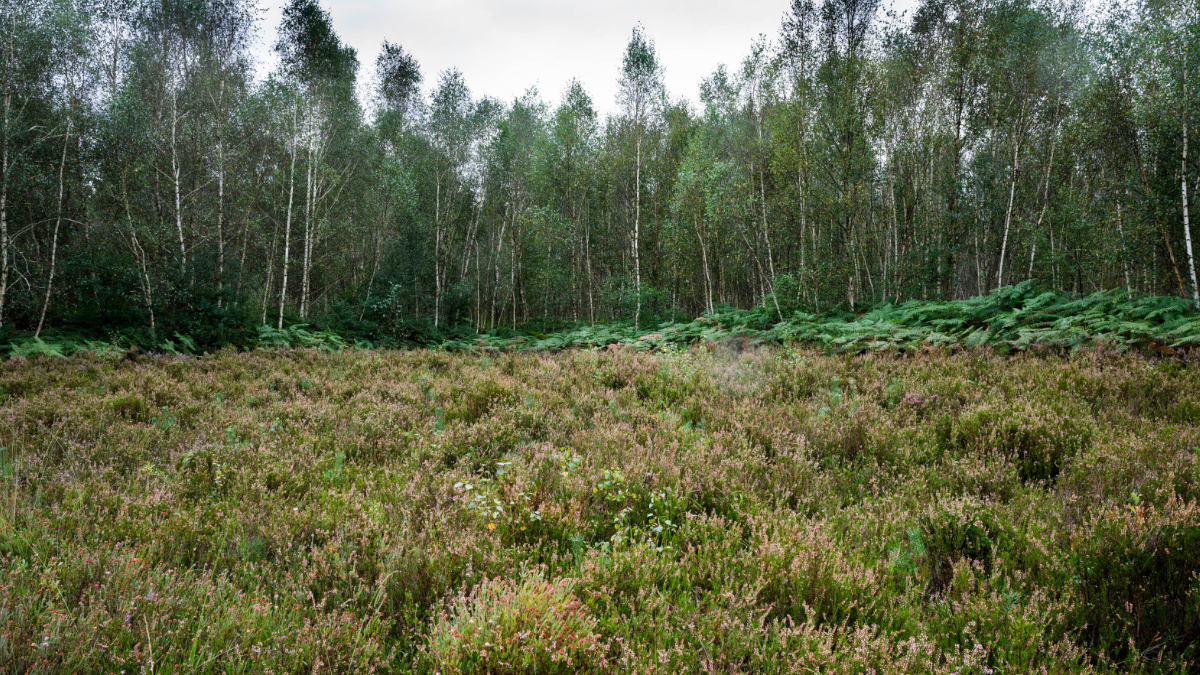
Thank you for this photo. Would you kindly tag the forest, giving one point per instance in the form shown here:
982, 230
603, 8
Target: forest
157, 183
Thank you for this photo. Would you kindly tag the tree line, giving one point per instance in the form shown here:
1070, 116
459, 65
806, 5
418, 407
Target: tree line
152, 184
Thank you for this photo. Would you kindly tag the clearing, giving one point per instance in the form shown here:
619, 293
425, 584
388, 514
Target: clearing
687, 510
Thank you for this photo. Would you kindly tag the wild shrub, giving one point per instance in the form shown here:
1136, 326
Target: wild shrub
958, 529
527, 626
849, 432
1037, 439
879, 522
473, 402
666, 388
805, 576
416, 577
200, 474
841, 440
1184, 411
480, 444
1138, 584
131, 407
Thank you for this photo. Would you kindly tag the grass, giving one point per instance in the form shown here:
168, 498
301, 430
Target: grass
721, 508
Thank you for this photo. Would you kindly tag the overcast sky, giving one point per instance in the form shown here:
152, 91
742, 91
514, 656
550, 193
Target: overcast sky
503, 47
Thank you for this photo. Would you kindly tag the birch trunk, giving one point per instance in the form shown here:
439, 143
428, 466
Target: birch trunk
220, 206
1012, 192
175, 171
708, 294
1124, 247
496, 265
220, 226
62, 165
1046, 201
308, 227
437, 251
637, 221
287, 228
140, 254
762, 193
1187, 226
5, 123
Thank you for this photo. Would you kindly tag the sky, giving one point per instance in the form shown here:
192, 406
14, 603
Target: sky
503, 47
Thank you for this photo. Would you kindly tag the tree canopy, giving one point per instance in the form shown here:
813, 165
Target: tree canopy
152, 184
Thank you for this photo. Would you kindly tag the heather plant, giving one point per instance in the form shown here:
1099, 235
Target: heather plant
720, 507
1139, 583
960, 531
1036, 438
526, 626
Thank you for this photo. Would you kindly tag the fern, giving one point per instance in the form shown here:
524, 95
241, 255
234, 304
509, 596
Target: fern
39, 347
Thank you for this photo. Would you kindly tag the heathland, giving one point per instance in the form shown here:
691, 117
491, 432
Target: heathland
721, 507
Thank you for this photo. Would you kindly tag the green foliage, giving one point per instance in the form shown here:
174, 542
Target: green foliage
1038, 441
1015, 318
960, 530
527, 626
131, 407
300, 336
1139, 585
530, 510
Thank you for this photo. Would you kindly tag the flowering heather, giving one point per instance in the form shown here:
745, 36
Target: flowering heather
518, 627
711, 510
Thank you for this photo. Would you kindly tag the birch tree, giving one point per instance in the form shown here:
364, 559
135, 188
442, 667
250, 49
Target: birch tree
641, 98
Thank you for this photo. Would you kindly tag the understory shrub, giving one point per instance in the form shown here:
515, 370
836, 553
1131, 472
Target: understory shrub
959, 529
1039, 440
771, 510
1138, 584
527, 626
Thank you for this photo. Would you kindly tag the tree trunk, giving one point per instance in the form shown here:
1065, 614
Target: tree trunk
1046, 200
587, 256
377, 254
269, 283
437, 251
801, 165
762, 193
175, 170
1012, 191
496, 266
287, 229
140, 254
62, 165
1124, 247
887, 271
309, 203
512, 266
4, 127
708, 294
220, 226
220, 205
637, 218
1187, 227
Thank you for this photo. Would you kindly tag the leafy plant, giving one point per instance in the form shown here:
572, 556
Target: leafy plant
527, 626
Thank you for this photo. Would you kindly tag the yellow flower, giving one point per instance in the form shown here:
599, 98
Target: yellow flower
491, 526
